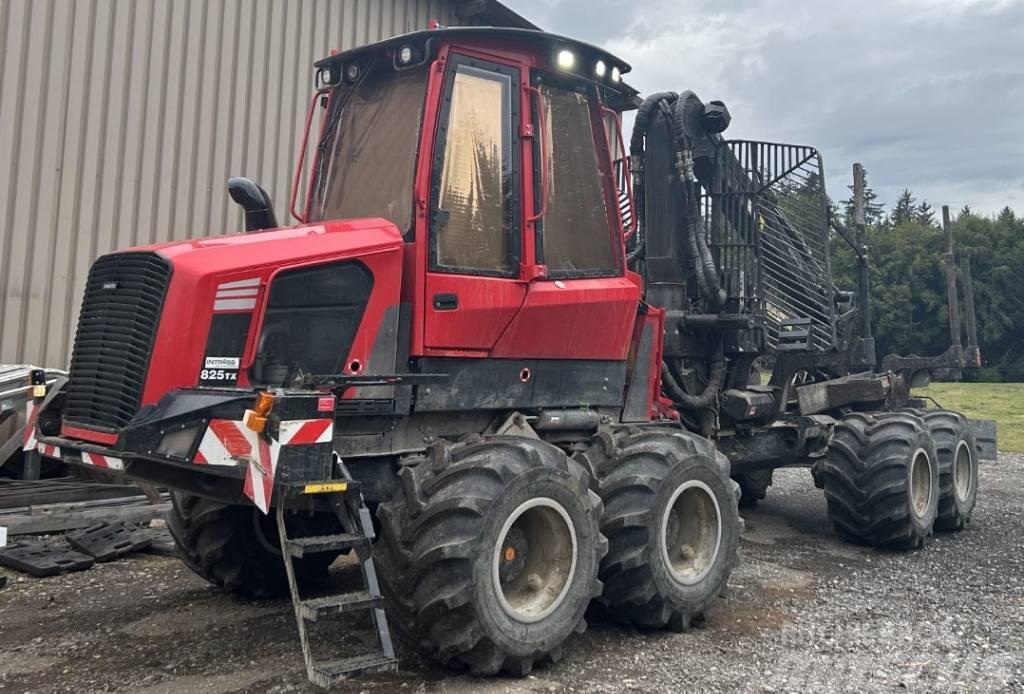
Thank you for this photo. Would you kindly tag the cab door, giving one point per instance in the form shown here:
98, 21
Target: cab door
473, 281
584, 305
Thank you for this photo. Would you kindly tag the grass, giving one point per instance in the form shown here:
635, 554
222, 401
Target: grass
1003, 402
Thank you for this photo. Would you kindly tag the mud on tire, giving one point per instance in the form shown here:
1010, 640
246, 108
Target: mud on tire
457, 572
655, 484
881, 479
236, 547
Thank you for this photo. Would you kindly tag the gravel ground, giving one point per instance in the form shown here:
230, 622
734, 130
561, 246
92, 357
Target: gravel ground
805, 612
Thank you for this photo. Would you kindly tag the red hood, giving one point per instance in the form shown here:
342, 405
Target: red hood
201, 265
250, 251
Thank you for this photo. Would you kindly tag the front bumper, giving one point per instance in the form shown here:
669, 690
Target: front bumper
194, 441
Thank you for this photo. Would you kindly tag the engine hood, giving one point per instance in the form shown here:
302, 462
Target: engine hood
249, 251
230, 275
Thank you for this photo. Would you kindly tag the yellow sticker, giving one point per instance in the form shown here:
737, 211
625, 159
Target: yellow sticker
325, 487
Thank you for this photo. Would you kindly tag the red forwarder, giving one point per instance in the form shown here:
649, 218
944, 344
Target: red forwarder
535, 399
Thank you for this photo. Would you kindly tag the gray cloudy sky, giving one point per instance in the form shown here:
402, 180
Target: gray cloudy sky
927, 94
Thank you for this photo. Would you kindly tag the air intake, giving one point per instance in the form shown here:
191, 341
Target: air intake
116, 329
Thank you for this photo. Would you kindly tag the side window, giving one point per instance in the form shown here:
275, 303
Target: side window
473, 226
576, 231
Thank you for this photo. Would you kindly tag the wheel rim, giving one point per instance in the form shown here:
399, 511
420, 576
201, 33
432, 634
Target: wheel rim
920, 483
963, 466
691, 532
534, 560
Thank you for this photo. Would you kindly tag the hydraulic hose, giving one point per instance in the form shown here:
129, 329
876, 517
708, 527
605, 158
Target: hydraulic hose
708, 396
703, 263
642, 122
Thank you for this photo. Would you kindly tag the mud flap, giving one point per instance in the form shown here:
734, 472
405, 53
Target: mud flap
985, 434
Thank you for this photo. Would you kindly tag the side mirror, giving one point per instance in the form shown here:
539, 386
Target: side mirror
259, 211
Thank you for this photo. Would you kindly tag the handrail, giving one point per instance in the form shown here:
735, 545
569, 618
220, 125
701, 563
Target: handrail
539, 129
303, 145
626, 177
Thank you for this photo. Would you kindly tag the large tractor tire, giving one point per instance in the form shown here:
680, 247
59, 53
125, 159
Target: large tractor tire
237, 547
488, 556
753, 486
670, 514
958, 467
881, 479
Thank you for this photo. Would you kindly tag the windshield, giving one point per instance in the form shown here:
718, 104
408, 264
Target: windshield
369, 148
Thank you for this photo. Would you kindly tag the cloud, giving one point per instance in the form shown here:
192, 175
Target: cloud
928, 94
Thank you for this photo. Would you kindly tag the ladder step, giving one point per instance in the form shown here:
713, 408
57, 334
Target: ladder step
301, 546
336, 604
327, 673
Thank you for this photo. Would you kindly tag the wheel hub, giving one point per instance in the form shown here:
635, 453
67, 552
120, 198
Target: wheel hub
514, 552
962, 468
691, 532
534, 560
920, 483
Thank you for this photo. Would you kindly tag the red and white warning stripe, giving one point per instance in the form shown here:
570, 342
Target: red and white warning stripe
106, 462
48, 450
28, 438
227, 442
305, 431
259, 480
239, 295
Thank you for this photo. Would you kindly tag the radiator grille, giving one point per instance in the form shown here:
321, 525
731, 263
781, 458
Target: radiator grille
116, 329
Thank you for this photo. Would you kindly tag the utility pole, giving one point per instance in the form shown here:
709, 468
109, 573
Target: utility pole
860, 227
973, 353
951, 294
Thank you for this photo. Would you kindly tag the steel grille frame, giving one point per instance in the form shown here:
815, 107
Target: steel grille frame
124, 297
768, 231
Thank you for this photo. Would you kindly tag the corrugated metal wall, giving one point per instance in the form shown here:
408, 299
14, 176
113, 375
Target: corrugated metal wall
121, 120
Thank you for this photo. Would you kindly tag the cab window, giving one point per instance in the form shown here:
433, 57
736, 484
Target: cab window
576, 233
473, 221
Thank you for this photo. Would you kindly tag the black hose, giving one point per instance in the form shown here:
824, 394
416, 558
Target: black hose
636, 166
704, 268
708, 396
643, 120
704, 263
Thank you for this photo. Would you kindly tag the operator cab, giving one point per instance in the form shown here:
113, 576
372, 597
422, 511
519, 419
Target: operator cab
489, 149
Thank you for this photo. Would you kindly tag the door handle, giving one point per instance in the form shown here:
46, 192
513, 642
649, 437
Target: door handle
446, 302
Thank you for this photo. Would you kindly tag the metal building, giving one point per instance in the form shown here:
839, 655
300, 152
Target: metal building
121, 120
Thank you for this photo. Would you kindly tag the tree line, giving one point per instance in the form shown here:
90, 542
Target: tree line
908, 287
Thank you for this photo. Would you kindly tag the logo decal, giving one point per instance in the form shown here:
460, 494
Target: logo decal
222, 362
